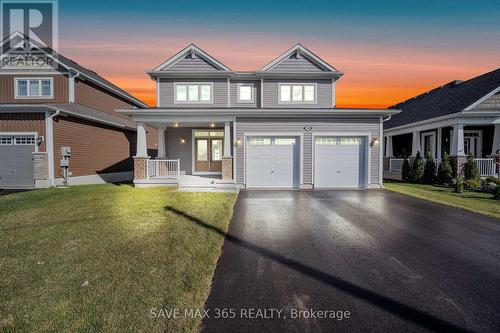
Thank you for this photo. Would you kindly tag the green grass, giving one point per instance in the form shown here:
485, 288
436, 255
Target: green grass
477, 202
135, 253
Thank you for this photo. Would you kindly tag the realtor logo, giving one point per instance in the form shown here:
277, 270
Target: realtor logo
27, 23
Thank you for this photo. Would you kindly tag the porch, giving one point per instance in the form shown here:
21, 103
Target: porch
477, 136
190, 155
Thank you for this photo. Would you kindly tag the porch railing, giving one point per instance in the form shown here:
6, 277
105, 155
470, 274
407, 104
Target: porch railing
486, 166
164, 169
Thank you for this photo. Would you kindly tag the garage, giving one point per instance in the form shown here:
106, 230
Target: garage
16, 161
339, 162
273, 162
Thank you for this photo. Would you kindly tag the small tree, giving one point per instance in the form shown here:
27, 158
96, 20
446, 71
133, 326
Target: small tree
459, 185
445, 172
470, 169
405, 170
417, 169
429, 169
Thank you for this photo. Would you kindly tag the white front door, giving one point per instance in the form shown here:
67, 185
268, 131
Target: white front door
272, 162
339, 162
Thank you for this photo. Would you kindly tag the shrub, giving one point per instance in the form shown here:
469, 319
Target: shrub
459, 185
445, 172
405, 170
429, 169
472, 183
470, 168
417, 169
493, 180
496, 193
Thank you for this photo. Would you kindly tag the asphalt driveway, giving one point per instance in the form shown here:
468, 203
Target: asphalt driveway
372, 260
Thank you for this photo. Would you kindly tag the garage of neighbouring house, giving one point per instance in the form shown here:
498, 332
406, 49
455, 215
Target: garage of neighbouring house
16, 160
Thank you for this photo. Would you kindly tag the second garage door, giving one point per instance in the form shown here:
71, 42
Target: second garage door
272, 162
339, 162
16, 161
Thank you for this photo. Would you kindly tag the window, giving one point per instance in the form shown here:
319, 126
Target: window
5, 140
193, 93
350, 141
25, 140
245, 92
216, 150
33, 88
297, 93
206, 134
259, 141
284, 141
326, 141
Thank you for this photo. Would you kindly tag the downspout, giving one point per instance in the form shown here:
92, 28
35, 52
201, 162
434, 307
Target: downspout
50, 146
72, 86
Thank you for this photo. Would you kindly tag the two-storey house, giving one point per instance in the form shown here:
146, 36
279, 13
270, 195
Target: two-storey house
276, 127
48, 102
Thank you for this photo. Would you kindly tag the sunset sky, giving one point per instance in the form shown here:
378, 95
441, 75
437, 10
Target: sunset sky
388, 50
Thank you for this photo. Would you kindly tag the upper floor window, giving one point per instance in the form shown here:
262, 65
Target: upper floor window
245, 92
297, 93
33, 88
193, 92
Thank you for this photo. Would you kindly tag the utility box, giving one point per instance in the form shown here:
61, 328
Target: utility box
64, 163
65, 151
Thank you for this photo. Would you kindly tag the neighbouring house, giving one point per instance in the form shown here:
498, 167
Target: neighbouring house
275, 128
48, 102
459, 118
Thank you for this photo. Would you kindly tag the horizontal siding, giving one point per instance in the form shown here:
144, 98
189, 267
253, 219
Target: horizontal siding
167, 94
95, 148
234, 93
272, 126
7, 89
294, 64
177, 150
271, 93
24, 122
191, 64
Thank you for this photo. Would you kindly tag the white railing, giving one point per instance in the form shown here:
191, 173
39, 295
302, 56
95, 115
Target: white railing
163, 169
396, 164
486, 166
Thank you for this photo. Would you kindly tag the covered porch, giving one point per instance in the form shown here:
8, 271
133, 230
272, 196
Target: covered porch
459, 137
191, 154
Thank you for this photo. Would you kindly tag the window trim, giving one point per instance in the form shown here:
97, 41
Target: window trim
199, 84
291, 84
244, 84
28, 79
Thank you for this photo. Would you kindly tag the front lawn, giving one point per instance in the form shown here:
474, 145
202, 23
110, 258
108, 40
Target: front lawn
474, 201
106, 257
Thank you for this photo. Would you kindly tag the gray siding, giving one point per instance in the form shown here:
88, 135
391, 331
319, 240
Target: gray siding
491, 103
191, 64
167, 93
234, 93
271, 93
294, 64
272, 126
177, 150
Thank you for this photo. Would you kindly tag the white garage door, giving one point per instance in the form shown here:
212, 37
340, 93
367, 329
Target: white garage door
339, 162
272, 162
16, 161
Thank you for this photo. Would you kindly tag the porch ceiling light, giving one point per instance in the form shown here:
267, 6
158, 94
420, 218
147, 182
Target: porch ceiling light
176, 125
212, 124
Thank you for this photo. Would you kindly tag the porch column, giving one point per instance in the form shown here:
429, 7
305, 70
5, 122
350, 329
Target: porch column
142, 148
457, 141
161, 143
415, 144
227, 139
388, 147
496, 140
227, 159
439, 141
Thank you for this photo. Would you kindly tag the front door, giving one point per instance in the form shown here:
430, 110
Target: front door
208, 155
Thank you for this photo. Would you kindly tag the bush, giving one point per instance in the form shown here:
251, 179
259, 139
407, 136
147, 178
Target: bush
445, 172
496, 193
405, 170
472, 183
417, 169
470, 168
493, 180
459, 185
429, 169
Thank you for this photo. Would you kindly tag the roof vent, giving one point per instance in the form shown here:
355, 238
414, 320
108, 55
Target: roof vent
457, 82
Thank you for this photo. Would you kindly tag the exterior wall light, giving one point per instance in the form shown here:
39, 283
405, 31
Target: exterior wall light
238, 142
374, 142
183, 140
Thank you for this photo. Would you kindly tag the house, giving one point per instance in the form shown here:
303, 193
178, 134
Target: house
459, 118
54, 102
276, 127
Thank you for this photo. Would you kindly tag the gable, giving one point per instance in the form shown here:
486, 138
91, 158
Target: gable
189, 63
296, 63
492, 102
